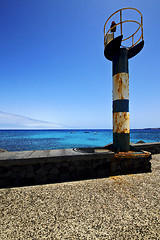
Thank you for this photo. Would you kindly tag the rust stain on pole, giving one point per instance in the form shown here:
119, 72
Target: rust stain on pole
121, 86
121, 122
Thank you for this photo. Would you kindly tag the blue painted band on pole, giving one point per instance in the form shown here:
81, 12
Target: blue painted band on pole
121, 105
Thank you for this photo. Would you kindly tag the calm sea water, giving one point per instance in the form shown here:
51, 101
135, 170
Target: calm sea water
24, 140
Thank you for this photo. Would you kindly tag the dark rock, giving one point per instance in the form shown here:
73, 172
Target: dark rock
54, 171
3, 150
140, 141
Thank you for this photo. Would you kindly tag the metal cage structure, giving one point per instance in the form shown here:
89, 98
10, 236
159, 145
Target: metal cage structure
121, 22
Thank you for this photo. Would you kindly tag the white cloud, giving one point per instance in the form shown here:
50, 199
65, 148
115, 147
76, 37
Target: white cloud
12, 121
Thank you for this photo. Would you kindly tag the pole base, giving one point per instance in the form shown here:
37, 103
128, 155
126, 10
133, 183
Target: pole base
121, 142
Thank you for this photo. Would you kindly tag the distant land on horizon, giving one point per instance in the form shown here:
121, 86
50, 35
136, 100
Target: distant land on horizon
152, 128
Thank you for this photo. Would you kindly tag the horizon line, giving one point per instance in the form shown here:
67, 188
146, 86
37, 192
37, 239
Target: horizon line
74, 128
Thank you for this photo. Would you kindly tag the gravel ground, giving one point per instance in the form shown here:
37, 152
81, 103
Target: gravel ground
121, 207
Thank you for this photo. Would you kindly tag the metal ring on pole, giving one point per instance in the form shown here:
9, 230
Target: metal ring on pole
121, 22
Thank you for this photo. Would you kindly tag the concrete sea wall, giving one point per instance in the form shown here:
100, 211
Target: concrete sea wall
153, 148
50, 166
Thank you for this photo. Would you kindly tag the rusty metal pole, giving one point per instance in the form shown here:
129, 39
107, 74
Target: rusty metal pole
121, 127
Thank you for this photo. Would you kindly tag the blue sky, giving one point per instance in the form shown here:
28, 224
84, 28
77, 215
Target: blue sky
52, 67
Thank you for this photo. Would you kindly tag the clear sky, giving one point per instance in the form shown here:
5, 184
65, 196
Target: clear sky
52, 66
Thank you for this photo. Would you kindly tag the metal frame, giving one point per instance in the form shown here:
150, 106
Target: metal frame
121, 23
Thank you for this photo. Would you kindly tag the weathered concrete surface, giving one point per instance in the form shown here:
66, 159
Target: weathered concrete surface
153, 148
121, 207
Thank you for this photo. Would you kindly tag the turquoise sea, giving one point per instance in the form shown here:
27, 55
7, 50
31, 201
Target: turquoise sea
25, 140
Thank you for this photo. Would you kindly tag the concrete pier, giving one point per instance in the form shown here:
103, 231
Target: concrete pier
51, 166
